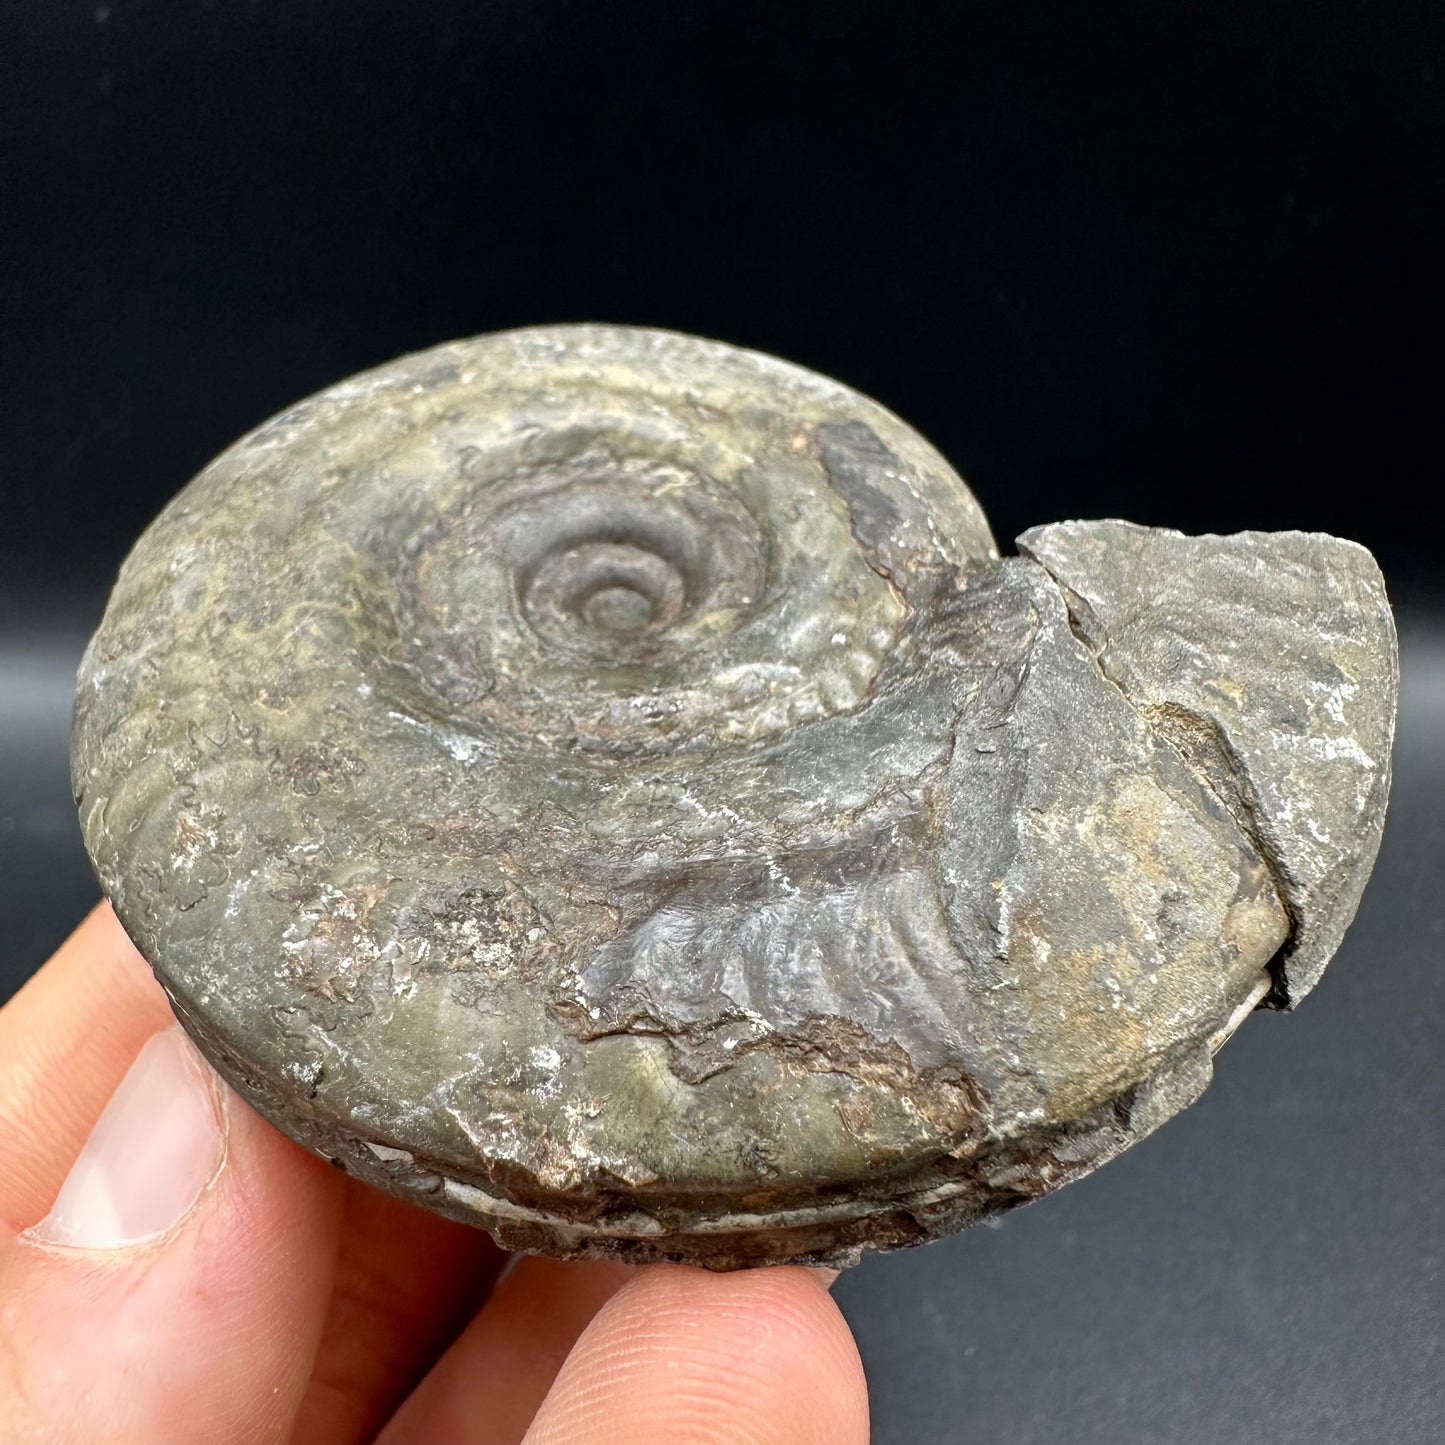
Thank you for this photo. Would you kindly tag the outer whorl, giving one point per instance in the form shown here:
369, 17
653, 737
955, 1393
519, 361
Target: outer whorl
604, 785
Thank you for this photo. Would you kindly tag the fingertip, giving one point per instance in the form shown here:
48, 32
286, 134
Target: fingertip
679, 1355
67, 1038
155, 1148
183, 1271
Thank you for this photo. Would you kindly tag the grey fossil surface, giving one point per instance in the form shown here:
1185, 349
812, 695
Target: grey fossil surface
605, 785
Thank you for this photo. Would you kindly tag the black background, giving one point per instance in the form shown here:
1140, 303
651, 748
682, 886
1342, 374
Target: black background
1172, 261
1177, 262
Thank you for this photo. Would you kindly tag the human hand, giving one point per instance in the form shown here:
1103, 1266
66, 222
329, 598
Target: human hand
195, 1277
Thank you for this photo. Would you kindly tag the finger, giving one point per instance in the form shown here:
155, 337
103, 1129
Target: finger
682, 1357
175, 1289
65, 1041
487, 1387
406, 1283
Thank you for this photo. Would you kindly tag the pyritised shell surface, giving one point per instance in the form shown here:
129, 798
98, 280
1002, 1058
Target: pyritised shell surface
606, 786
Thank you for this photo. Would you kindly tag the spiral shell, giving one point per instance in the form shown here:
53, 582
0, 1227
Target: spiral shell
605, 785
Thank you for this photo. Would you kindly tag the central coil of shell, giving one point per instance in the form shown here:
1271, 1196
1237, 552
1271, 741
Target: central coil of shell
615, 600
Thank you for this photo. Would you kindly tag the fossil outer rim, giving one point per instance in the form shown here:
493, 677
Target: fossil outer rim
605, 785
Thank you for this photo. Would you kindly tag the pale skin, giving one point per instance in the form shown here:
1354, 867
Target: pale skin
285, 1302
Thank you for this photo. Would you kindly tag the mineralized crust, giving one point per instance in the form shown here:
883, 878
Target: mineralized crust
604, 785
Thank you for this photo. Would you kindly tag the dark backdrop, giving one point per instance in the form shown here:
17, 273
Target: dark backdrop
1175, 261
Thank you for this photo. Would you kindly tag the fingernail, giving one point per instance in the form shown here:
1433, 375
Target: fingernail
826, 1277
159, 1143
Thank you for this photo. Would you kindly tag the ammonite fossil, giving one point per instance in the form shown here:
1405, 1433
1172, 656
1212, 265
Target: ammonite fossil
606, 786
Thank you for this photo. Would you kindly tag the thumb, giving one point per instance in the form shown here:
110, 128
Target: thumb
682, 1357
175, 1291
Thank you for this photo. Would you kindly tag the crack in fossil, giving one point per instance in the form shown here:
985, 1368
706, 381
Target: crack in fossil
1205, 749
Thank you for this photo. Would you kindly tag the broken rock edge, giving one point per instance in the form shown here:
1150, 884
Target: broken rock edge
1214, 761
